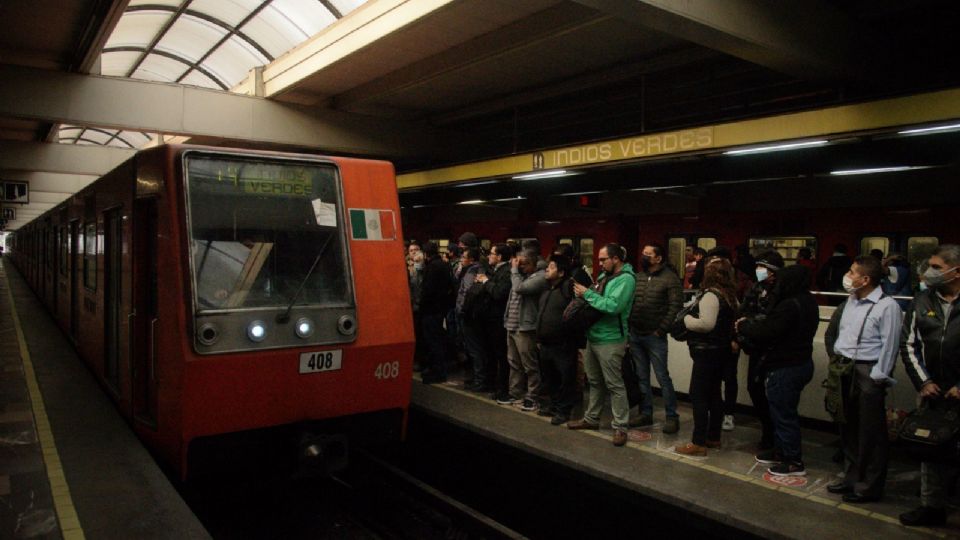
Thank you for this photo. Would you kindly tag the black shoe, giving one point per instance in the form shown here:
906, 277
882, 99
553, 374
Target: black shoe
559, 419
475, 387
770, 457
788, 468
839, 488
546, 411
857, 498
924, 516
644, 420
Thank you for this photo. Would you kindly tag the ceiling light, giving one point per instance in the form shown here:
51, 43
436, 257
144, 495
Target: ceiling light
656, 188
933, 129
578, 193
477, 183
775, 148
473, 201
874, 170
554, 173
517, 198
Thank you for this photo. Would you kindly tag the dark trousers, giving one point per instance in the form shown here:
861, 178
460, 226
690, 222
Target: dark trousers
731, 386
435, 340
494, 339
705, 380
476, 349
865, 443
784, 386
757, 388
558, 371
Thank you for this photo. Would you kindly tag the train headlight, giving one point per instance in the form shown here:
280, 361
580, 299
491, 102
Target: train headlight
304, 327
256, 331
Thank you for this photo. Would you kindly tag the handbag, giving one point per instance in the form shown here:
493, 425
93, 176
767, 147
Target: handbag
678, 329
932, 431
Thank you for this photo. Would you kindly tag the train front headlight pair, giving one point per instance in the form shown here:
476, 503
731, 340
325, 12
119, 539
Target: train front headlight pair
257, 330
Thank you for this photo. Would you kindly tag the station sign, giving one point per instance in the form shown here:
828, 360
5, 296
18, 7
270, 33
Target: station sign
8, 214
15, 192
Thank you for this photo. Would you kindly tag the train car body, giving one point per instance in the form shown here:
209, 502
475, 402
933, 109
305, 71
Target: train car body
220, 292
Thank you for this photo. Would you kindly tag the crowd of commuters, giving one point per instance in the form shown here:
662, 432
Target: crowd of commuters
519, 320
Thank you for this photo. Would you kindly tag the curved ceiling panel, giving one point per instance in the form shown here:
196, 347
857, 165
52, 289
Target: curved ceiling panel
207, 43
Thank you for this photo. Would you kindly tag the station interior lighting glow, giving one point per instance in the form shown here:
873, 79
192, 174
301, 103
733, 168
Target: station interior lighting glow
776, 147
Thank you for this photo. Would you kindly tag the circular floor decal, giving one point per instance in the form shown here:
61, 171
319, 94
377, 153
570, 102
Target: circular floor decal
790, 481
639, 436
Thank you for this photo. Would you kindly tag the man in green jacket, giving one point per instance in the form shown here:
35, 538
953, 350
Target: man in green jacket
607, 341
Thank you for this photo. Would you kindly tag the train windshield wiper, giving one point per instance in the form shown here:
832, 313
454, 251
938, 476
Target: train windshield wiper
284, 317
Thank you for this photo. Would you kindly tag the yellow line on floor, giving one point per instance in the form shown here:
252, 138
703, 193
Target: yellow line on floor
62, 500
699, 463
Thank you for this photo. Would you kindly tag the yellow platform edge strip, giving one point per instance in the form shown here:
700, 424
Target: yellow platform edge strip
700, 464
62, 500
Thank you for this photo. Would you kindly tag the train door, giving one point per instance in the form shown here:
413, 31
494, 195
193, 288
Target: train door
74, 293
145, 311
54, 265
677, 250
583, 247
112, 295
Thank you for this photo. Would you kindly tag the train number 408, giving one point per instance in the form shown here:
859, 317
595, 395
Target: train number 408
387, 370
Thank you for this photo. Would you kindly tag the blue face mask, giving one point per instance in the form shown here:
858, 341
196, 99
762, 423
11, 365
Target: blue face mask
762, 274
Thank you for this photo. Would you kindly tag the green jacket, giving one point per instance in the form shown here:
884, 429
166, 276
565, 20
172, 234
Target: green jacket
615, 302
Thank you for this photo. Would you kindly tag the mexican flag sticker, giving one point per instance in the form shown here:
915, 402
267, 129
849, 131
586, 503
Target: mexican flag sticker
372, 224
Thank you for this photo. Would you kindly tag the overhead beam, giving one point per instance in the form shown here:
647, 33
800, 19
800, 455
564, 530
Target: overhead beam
801, 38
50, 182
181, 110
61, 158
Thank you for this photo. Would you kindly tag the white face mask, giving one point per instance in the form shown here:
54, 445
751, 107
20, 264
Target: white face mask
848, 284
762, 274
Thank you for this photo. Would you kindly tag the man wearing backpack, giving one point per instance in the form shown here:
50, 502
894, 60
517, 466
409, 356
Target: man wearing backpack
607, 341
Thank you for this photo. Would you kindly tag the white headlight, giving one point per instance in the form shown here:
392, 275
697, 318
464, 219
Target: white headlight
257, 331
304, 327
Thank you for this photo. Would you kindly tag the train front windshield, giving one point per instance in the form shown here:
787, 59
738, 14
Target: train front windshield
265, 233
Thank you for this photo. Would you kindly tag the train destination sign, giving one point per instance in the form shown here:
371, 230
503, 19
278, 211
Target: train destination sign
641, 146
16, 192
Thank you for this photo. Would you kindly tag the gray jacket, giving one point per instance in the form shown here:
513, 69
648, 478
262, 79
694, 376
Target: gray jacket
525, 290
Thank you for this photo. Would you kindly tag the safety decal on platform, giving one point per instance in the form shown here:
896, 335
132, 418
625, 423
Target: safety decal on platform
372, 224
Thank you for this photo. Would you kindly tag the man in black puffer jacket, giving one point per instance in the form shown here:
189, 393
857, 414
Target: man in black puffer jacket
930, 350
656, 301
787, 334
558, 348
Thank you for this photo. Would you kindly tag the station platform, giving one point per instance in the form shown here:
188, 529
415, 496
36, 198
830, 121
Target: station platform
727, 486
70, 467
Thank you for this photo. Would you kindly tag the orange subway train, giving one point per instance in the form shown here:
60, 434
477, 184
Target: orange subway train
235, 302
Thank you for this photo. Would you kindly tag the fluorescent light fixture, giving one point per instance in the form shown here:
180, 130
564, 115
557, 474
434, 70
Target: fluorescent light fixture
875, 170
547, 222
517, 198
932, 129
656, 188
553, 173
473, 201
578, 193
477, 183
775, 148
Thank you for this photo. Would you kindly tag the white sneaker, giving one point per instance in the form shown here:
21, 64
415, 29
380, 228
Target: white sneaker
727, 423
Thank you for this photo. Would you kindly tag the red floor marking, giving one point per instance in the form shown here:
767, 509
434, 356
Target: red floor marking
789, 481
639, 436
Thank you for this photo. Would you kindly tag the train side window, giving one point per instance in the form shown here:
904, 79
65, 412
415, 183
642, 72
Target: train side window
64, 251
870, 243
919, 249
442, 245
485, 245
90, 256
676, 251
586, 254
706, 242
786, 246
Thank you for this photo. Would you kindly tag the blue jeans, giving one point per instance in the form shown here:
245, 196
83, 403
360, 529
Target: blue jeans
784, 386
652, 350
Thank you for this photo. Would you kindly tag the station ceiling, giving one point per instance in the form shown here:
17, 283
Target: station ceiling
430, 83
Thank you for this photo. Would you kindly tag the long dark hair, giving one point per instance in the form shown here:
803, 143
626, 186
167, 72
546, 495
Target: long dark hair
718, 275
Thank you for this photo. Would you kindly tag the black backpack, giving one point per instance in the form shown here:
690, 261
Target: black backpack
579, 315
